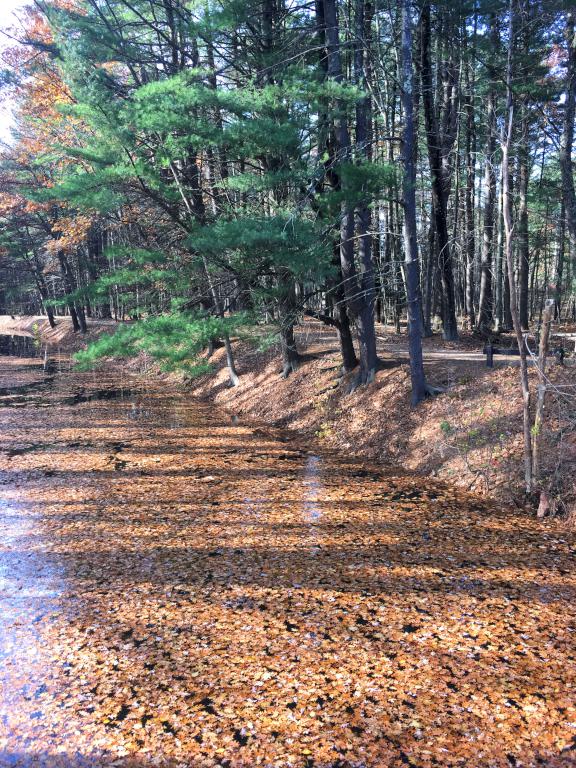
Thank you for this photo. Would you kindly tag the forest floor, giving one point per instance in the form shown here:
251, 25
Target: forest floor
179, 588
471, 435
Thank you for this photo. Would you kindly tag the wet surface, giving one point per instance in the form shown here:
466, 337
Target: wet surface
19, 346
178, 588
27, 369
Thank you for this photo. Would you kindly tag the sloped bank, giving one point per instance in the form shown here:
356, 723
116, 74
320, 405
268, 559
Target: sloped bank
469, 436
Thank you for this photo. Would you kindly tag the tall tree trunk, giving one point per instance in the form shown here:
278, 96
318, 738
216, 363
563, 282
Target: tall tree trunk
558, 265
565, 157
366, 330
523, 239
548, 314
347, 351
290, 356
36, 266
469, 197
360, 304
412, 267
499, 273
508, 248
429, 281
486, 303
69, 287
81, 318
437, 152
336, 289
219, 310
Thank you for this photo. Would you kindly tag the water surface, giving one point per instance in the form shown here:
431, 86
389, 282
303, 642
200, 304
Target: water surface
179, 588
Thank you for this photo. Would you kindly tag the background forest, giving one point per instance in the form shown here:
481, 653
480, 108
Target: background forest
209, 170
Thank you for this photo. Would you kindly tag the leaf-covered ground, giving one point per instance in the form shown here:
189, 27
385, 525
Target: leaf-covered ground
470, 436
180, 590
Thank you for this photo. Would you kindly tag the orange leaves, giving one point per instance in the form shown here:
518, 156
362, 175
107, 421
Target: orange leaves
15, 204
69, 232
10, 203
170, 598
39, 92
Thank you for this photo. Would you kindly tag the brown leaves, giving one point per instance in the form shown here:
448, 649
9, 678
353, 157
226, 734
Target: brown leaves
69, 232
183, 591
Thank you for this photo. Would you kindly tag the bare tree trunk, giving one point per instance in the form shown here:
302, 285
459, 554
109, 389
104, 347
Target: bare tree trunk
412, 267
523, 241
360, 304
36, 267
366, 330
429, 281
69, 285
486, 303
565, 157
232, 373
81, 318
349, 359
558, 265
540, 400
499, 276
508, 248
469, 198
438, 147
336, 293
290, 356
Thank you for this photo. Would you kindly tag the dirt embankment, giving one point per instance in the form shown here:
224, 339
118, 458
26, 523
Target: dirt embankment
469, 436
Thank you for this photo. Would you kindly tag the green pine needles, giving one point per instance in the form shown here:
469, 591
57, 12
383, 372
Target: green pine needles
177, 341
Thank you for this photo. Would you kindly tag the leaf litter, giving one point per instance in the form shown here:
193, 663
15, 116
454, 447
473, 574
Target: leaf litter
178, 589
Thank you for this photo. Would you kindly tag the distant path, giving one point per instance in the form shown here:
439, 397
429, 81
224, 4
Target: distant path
434, 349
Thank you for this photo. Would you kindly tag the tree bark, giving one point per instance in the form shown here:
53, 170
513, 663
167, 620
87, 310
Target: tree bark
438, 148
412, 267
347, 351
558, 266
469, 198
69, 287
336, 290
547, 316
360, 304
366, 329
508, 248
485, 318
523, 240
565, 157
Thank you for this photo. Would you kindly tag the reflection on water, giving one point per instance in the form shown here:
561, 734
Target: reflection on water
227, 596
20, 346
312, 491
312, 486
88, 396
30, 586
30, 369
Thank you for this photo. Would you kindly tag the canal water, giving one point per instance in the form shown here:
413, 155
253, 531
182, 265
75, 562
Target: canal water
179, 588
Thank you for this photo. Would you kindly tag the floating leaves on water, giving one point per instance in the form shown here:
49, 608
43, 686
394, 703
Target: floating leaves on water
182, 590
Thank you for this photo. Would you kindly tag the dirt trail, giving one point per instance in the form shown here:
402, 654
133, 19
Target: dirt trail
177, 589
